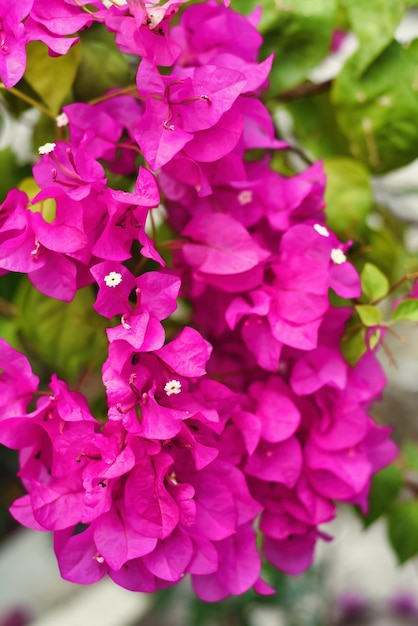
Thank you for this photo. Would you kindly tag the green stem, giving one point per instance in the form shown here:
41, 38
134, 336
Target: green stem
29, 100
398, 283
130, 90
306, 89
7, 309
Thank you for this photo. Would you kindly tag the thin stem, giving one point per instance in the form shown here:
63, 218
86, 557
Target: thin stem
28, 100
130, 146
300, 154
398, 283
307, 89
396, 335
87, 10
89, 369
7, 309
173, 244
130, 90
389, 354
142, 261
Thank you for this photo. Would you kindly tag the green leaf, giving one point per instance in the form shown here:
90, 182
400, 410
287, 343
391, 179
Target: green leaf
353, 344
377, 112
47, 207
102, 65
385, 249
348, 195
369, 315
300, 37
403, 529
269, 11
410, 454
406, 311
374, 23
385, 488
374, 283
66, 336
315, 126
51, 77
374, 338
11, 172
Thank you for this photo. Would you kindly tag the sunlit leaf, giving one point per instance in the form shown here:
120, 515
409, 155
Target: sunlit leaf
51, 77
374, 283
403, 529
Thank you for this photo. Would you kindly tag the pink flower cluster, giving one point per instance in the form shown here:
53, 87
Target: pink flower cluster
249, 416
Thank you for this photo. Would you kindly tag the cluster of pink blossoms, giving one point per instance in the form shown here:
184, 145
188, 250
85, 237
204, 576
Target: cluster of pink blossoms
247, 418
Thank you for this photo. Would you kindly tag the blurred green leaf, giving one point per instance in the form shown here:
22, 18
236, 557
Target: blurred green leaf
377, 112
374, 23
66, 336
269, 11
315, 126
300, 37
11, 172
369, 315
51, 77
386, 485
406, 311
47, 207
383, 247
403, 529
410, 454
353, 344
45, 131
102, 66
374, 283
348, 195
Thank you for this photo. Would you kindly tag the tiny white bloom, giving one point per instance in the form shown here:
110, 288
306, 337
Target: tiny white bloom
62, 120
172, 387
321, 230
338, 256
245, 196
98, 557
173, 478
113, 279
46, 148
125, 323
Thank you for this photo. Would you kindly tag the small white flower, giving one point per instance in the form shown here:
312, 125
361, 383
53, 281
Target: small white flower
124, 323
46, 148
172, 387
113, 279
172, 477
321, 230
98, 557
62, 120
245, 196
338, 256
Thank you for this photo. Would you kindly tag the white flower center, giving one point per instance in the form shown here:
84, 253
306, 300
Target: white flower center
124, 323
245, 196
172, 387
98, 557
62, 120
113, 279
338, 256
321, 230
46, 148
